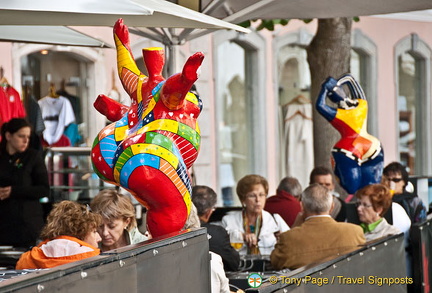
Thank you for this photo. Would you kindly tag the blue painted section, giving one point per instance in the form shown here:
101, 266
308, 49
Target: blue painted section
138, 160
108, 147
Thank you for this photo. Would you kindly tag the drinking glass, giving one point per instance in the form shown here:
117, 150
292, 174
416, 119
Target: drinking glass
236, 239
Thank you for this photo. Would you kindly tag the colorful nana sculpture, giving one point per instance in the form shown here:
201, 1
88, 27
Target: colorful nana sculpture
153, 143
358, 156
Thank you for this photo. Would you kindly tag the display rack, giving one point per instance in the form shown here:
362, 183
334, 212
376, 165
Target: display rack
71, 174
72, 177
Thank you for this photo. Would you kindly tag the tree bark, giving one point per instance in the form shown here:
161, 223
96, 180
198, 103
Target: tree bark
328, 54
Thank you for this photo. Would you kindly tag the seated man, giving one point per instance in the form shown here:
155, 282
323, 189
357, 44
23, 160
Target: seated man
204, 198
318, 237
324, 176
285, 202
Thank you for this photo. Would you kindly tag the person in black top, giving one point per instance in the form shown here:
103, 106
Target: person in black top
204, 198
23, 181
395, 176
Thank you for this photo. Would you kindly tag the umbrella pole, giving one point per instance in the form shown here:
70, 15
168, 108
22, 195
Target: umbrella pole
173, 57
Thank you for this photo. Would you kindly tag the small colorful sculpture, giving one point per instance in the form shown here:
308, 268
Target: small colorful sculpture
149, 150
358, 156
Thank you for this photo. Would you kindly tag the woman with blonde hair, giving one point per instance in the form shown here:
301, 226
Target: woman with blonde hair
119, 226
69, 235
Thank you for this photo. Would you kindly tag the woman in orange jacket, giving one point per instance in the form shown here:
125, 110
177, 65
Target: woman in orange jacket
69, 235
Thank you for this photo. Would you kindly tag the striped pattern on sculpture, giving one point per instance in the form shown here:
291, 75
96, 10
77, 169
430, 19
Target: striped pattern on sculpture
154, 141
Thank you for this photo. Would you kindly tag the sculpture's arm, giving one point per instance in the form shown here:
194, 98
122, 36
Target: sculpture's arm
176, 87
112, 109
325, 110
126, 66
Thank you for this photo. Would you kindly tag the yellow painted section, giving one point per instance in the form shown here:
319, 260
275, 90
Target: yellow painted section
160, 124
191, 98
149, 108
121, 133
153, 49
124, 58
139, 88
188, 201
145, 148
116, 174
354, 118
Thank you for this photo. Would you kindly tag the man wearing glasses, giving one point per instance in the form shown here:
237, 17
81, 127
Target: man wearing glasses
395, 177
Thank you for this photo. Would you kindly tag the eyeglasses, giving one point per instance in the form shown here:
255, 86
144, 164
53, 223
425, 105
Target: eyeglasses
255, 196
396, 180
363, 205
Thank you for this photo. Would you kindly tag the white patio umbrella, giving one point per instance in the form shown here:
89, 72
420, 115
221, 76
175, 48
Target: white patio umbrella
135, 13
237, 11
56, 35
138, 13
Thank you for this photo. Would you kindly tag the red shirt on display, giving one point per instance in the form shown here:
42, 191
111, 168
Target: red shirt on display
11, 105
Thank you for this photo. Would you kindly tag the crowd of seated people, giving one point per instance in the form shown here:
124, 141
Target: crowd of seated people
291, 228
261, 226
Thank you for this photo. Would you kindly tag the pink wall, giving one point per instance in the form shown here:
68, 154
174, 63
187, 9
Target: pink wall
6, 60
386, 33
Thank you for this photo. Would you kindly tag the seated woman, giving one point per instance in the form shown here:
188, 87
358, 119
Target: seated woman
372, 203
69, 235
119, 227
257, 228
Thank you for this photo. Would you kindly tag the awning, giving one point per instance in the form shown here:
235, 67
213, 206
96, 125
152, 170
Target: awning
56, 35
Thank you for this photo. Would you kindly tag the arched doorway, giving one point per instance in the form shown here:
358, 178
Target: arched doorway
82, 70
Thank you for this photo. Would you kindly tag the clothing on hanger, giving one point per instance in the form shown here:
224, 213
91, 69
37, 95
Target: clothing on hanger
4, 82
57, 114
298, 141
11, 105
299, 99
74, 100
52, 91
297, 103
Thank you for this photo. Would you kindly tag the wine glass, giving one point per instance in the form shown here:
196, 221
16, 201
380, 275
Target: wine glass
236, 239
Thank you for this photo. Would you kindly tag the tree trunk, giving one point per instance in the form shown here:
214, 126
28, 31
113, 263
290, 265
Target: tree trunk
328, 54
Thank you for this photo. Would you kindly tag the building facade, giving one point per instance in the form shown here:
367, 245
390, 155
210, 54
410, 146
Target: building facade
255, 90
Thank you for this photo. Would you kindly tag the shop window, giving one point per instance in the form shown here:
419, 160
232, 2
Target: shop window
240, 114
363, 67
413, 95
234, 140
